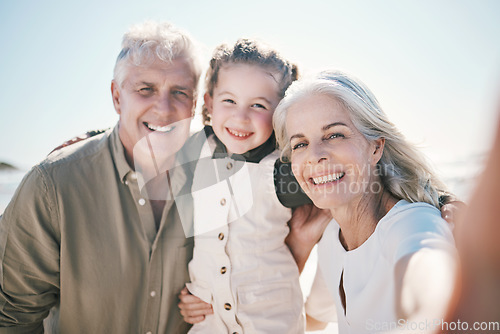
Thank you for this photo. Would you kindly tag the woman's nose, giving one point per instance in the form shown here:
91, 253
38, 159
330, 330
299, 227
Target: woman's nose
317, 153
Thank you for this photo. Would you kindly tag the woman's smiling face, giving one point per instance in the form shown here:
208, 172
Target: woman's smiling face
331, 159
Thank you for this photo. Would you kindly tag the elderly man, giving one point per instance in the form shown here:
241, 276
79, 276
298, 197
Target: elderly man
92, 241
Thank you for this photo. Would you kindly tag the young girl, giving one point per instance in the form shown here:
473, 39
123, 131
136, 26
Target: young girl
240, 263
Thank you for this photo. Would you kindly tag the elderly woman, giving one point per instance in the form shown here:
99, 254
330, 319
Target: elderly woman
387, 259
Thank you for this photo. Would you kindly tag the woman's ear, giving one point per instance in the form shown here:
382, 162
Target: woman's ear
209, 101
378, 150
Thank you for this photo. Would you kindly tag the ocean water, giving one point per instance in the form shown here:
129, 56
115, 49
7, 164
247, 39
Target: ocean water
9, 180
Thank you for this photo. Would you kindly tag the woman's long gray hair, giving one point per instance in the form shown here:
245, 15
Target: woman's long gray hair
403, 170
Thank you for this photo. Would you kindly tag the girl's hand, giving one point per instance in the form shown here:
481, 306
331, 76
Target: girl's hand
193, 309
306, 228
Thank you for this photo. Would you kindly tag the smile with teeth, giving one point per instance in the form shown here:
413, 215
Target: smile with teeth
239, 133
164, 129
327, 178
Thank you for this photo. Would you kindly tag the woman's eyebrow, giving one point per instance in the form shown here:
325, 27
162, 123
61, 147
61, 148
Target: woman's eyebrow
298, 135
326, 127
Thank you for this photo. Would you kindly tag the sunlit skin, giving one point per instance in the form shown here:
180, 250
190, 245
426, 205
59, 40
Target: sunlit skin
334, 164
242, 106
150, 100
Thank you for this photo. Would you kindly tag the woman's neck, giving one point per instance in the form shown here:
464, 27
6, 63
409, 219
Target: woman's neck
358, 221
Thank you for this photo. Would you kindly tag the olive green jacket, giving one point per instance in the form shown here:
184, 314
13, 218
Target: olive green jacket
79, 240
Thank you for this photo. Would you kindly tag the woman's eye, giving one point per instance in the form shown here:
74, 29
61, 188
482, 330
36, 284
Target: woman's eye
297, 146
336, 135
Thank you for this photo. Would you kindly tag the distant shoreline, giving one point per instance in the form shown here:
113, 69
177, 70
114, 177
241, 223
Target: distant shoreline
6, 166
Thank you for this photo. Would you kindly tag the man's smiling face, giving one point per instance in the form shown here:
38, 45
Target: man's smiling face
151, 99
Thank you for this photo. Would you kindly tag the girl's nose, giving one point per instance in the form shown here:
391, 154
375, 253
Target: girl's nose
241, 113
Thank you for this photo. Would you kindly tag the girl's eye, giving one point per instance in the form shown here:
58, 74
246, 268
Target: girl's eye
258, 105
228, 101
297, 146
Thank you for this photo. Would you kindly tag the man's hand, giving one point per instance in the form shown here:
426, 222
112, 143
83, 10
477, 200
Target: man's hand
193, 309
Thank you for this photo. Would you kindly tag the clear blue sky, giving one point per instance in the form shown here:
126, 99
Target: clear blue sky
433, 64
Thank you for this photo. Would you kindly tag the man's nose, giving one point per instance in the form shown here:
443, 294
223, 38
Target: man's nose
165, 104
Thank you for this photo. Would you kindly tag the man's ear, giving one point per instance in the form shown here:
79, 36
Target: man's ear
378, 150
195, 102
115, 94
209, 102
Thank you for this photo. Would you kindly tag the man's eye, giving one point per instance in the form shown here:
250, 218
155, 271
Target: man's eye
181, 93
146, 90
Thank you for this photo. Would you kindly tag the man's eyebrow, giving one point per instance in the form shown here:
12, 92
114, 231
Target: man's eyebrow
181, 87
145, 83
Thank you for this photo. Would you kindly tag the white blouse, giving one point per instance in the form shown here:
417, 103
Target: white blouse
240, 263
369, 279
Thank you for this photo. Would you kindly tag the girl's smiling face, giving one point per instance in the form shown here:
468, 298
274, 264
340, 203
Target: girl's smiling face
242, 106
331, 159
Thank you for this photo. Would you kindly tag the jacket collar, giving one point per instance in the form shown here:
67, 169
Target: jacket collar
254, 155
